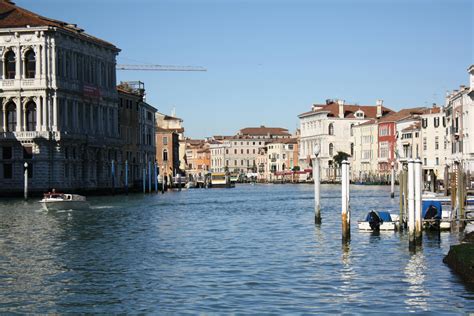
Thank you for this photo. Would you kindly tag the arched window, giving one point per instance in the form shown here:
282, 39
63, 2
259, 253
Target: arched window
10, 116
331, 149
30, 64
165, 155
31, 116
352, 129
10, 65
331, 129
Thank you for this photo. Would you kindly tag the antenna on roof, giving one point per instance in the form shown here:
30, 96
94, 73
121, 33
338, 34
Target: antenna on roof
173, 112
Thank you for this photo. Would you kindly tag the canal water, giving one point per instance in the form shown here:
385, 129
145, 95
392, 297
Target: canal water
252, 249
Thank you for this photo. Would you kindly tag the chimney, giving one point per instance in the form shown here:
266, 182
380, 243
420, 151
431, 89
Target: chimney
379, 108
341, 108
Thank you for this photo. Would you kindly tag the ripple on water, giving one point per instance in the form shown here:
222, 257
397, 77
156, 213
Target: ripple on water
252, 249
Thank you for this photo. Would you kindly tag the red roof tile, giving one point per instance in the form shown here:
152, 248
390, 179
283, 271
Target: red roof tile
370, 111
402, 114
264, 131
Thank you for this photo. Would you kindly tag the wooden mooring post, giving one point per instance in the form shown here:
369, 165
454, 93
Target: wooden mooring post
401, 180
317, 184
346, 213
418, 203
392, 181
411, 203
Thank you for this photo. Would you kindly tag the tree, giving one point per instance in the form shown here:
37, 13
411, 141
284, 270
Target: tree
340, 157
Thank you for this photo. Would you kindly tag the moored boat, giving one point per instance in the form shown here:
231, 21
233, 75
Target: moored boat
53, 201
378, 220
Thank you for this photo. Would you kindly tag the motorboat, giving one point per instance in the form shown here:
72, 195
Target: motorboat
53, 201
378, 220
434, 217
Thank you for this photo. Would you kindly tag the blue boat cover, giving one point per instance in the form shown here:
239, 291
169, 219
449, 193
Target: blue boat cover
426, 205
384, 216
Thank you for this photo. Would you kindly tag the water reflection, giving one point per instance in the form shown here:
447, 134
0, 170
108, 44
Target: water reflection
252, 249
417, 293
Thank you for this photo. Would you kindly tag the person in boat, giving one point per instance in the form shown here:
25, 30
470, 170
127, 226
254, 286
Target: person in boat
53, 194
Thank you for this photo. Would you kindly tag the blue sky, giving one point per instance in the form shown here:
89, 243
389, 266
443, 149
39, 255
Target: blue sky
268, 61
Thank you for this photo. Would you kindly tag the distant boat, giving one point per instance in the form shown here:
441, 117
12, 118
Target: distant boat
53, 201
378, 220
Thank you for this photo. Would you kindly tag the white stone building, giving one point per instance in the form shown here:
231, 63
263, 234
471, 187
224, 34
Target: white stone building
434, 139
365, 154
460, 123
59, 109
239, 153
331, 126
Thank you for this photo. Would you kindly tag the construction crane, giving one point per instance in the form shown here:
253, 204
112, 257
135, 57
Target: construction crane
159, 68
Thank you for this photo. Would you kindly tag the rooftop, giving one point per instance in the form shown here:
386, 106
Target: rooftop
12, 16
264, 131
332, 108
402, 114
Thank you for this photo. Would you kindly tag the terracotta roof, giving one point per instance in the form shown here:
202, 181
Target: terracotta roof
220, 137
171, 118
369, 122
283, 141
195, 142
370, 111
12, 16
412, 127
402, 114
433, 110
169, 130
263, 131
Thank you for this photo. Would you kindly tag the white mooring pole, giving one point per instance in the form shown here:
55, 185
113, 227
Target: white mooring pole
317, 183
26, 180
392, 181
411, 202
418, 184
345, 214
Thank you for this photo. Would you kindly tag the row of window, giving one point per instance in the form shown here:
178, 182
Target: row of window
29, 64
436, 121
11, 116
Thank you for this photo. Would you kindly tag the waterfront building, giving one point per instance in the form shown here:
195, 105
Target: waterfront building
365, 153
238, 154
434, 137
169, 134
331, 126
59, 103
409, 142
390, 148
137, 132
198, 157
460, 117
282, 158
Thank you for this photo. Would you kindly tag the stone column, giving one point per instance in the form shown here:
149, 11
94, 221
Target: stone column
64, 117
38, 114
55, 112
38, 61
18, 58
18, 115
43, 61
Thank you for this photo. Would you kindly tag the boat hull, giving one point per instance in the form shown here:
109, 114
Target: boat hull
363, 225
65, 205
